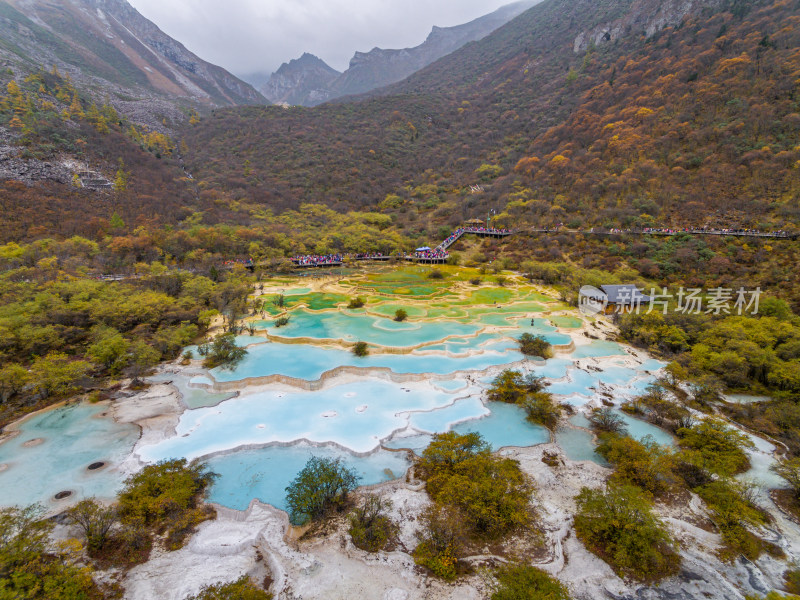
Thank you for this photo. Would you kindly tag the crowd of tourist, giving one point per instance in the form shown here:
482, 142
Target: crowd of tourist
700, 231
313, 259
435, 254
462, 230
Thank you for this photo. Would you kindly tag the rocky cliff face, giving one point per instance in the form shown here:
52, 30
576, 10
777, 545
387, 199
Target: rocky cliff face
310, 82
108, 47
300, 81
643, 16
378, 67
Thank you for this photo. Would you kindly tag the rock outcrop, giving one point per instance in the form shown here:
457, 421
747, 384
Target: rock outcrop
302, 81
113, 52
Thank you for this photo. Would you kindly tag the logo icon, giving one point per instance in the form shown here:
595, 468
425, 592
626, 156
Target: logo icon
592, 301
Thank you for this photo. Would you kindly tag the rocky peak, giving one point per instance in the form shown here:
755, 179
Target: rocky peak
299, 80
378, 67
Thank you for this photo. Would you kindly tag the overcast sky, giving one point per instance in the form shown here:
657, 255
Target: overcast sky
249, 36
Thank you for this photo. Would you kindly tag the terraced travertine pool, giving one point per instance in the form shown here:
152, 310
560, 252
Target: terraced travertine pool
301, 391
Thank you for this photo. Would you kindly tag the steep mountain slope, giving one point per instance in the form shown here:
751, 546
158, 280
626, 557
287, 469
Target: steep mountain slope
378, 68
302, 81
108, 48
310, 84
720, 109
555, 32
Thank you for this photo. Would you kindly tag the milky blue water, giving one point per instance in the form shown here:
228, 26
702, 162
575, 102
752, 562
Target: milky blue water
652, 364
598, 349
639, 429
442, 420
636, 428
355, 415
484, 341
265, 473
192, 397
253, 438
310, 362
335, 325
451, 386
554, 368
247, 340
578, 445
640, 386
74, 436
579, 382
761, 461
505, 426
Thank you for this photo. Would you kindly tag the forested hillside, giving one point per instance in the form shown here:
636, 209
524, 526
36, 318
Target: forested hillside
670, 128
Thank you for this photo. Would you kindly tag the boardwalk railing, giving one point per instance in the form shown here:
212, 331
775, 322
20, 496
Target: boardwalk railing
439, 255
481, 231
781, 235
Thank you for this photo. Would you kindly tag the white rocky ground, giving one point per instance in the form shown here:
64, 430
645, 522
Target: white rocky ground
259, 542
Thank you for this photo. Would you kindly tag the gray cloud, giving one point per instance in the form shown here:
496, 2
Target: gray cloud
250, 36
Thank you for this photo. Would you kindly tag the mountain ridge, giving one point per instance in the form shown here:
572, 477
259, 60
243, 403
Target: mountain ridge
300, 81
110, 49
380, 67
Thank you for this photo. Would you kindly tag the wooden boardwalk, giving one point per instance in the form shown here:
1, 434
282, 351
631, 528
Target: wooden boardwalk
479, 231
443, 255
666, 233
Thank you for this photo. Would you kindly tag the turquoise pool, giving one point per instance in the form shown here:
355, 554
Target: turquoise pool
72, 438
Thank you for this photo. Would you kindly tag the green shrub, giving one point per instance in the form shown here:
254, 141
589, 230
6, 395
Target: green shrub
448, 450
28, 568
323, 484
644, 464
441, 541
535, 345
281, 322
619, 526
241, 589
522, 582
789, 470
361, 349
435, 274
400, 315
715, 447
792, 577
222, 352
356, 303
541, 409
95, 521
605, 420
370, 527
732, 507
166, 496
492, 493
508, 387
